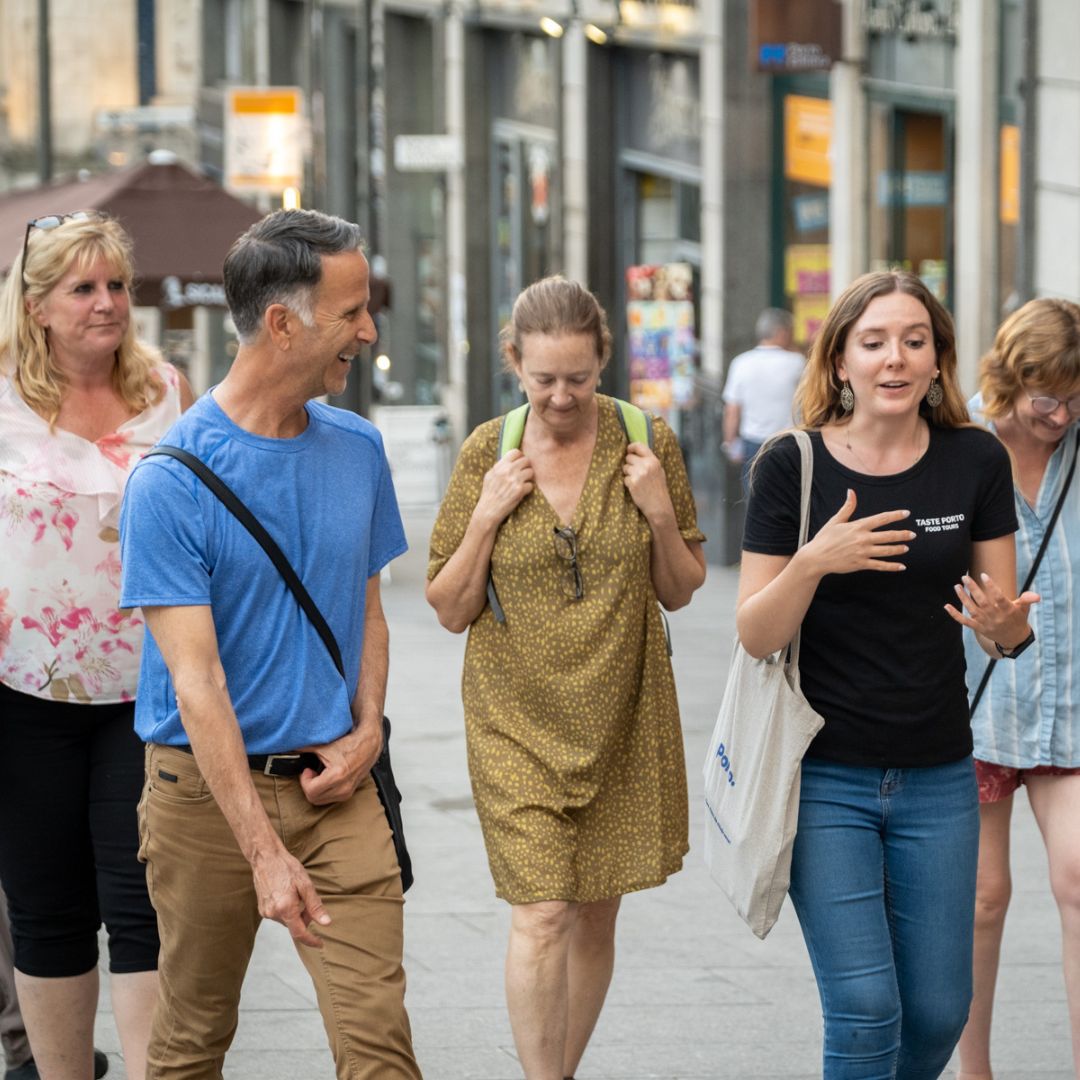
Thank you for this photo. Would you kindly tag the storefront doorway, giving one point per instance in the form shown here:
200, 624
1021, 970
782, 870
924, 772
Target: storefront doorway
523, 238
911, 184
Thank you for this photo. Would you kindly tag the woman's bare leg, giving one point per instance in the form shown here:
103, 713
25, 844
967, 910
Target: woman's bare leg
59, 1019
590, 964
991, 903
1056, 802
537, 994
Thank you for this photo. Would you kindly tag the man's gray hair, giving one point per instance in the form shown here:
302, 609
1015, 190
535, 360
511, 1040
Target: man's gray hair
279, 261
771, 321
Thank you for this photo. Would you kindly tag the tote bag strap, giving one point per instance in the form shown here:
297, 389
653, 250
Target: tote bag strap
806, 456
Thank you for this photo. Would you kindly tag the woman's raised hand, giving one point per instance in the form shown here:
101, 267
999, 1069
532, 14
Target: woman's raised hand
506, 483
990, 612
646, 481
843, 546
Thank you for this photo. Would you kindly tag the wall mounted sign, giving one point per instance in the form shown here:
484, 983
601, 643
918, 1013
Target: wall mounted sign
181, 294
803, 36
265, 135
807, 137
930, 19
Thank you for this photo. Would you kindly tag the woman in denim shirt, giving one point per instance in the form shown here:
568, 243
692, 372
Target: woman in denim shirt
1027, 723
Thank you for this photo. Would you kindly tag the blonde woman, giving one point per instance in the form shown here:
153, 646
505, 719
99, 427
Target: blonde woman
911, 523
1027, 722
575, 748
80, 399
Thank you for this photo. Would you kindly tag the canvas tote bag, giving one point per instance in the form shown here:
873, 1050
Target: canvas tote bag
754, 765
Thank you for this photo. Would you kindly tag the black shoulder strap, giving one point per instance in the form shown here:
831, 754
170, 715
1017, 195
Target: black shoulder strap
1034, 567
236, 507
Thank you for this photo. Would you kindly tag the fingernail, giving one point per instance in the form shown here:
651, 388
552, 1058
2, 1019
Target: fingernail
985, 577
324, 920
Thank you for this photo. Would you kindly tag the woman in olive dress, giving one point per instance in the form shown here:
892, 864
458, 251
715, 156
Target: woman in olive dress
575, 747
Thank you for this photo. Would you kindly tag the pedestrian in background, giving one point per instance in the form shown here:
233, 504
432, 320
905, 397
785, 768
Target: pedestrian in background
760, 388
908, 499
575, 747
80, 399
1027, 722
259, 801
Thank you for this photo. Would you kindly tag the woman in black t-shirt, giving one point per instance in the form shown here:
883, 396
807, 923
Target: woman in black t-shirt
907, 500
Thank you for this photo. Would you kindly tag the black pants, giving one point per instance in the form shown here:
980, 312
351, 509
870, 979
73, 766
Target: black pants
70, 781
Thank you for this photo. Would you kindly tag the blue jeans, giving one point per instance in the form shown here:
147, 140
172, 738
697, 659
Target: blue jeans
883, 882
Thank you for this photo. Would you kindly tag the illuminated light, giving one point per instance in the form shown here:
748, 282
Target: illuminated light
595, 34
118, 158
551, 27
382, 362
290, 198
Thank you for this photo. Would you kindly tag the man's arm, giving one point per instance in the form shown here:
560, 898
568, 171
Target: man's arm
348, 760
732, 419
188, 643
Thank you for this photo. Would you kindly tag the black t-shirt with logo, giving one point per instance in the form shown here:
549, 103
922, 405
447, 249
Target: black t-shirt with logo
881, 660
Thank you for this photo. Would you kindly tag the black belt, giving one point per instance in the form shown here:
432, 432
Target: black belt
279, 764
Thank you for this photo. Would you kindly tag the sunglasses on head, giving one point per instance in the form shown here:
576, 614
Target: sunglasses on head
54, 221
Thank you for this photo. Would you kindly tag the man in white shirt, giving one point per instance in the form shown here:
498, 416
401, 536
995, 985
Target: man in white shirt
759, 389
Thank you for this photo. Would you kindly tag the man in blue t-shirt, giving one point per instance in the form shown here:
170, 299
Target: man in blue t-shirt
258, 800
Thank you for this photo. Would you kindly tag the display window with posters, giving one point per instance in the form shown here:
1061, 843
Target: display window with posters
803, 174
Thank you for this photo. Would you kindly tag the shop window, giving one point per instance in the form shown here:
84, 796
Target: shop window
803, 209
910, 190
523, 237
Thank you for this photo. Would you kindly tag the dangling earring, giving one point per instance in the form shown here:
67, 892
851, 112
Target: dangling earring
847, 398
934, 394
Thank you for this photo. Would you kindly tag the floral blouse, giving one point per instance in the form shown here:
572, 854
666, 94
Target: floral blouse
61, 634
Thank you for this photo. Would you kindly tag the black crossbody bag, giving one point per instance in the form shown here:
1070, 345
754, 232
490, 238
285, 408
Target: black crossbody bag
985, 681
381, 772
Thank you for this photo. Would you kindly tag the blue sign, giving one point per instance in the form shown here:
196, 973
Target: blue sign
912, 188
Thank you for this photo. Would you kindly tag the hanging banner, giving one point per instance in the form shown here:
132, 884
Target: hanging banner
807, 137
1010, 174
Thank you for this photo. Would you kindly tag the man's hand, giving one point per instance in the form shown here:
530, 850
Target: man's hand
287, 896
346, 761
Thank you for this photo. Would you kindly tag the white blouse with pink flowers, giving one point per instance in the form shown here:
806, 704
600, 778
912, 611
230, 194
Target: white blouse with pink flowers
61, 634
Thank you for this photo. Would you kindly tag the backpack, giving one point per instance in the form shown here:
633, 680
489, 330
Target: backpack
637, 427
635, 422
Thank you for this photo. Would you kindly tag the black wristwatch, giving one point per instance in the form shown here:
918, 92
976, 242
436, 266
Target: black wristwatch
1016, 650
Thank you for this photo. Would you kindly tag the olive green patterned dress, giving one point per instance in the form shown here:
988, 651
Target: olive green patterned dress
572, 724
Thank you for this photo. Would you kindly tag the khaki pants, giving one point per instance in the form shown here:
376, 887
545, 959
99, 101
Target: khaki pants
202, 888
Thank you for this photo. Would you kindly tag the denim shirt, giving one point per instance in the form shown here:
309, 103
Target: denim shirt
1029, 714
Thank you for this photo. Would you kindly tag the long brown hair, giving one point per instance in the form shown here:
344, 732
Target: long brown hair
1037, 345
817, 399
24, 344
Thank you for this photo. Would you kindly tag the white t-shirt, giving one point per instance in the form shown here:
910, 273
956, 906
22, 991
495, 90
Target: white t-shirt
762, 383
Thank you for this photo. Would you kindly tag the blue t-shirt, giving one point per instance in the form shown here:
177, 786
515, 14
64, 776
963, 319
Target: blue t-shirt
326, 497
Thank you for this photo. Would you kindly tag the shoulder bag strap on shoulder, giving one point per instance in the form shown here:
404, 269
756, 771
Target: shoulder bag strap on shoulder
985, 680
236, 507
806, 475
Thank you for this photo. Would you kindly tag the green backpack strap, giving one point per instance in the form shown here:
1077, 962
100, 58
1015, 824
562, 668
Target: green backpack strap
635, 422
512, 430
636, 425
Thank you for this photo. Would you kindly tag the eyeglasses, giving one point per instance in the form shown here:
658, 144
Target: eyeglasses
1044, 405
566, 549
54, 221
